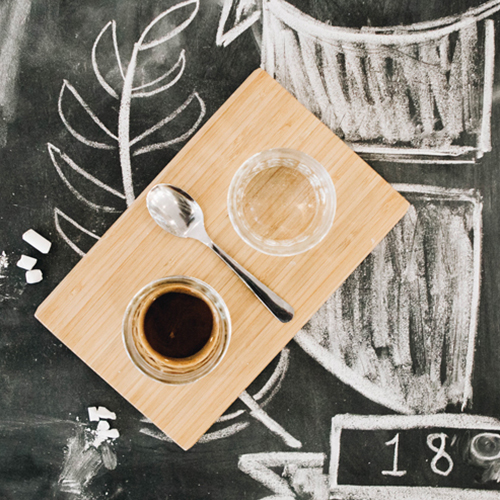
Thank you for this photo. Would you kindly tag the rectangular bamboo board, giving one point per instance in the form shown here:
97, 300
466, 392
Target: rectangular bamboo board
85, 311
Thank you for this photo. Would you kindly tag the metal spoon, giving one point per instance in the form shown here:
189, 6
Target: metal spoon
176, 212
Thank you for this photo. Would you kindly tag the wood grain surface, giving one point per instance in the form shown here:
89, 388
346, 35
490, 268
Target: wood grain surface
85, 311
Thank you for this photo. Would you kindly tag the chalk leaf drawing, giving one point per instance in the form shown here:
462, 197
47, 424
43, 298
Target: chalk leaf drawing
163, 28
401, 329
418, 93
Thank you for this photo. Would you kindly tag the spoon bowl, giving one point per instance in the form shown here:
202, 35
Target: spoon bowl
174, 210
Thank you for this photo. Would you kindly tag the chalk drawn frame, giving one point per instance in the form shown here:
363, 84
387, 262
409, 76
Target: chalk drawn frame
349, 376
323, 93
399, 422
296, 21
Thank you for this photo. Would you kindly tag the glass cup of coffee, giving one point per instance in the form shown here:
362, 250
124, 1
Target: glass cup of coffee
176, 329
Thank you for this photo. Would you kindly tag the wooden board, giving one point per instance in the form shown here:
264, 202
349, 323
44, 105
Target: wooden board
85, 311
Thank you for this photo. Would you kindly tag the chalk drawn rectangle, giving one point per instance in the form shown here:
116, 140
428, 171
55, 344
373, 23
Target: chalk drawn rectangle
408, 457
401, 329
420, 93
86, 309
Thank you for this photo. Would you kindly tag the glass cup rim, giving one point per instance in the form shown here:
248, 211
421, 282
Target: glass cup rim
283, 248
128, 326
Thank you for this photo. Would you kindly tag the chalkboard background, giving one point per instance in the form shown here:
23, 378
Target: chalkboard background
45, 389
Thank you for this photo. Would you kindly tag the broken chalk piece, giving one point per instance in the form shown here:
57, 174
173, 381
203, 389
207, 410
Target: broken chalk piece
99, 439
37, 241
103, 425
26, 262
93, 415
34, 276
111, 434
104, 435
105, 413
97, 413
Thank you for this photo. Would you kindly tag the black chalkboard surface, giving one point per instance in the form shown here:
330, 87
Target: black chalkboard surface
96, 97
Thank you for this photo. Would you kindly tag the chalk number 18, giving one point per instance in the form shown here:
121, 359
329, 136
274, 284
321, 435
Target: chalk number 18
439, 450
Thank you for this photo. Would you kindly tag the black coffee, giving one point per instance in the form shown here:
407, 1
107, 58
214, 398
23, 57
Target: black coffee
178, 325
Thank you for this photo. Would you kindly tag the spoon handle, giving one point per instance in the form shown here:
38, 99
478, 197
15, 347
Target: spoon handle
280, 308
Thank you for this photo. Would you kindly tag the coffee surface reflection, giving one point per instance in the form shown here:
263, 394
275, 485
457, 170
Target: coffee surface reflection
178, 325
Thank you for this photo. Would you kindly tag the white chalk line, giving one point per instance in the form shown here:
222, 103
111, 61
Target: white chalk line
149, 93
415, 161
303, 23
453, 151
476, 292
71, 130
406, 422
144, 46
117, 51
259, 467
484, 142
16, 16
106, 86
165, 120
211, 436
84, 173
4, 263
181, 61
86, 107
223, 433
59, 213
409, 493
225, 38
480, 12
176, 140
445, 193
52, 152
258, 413
269, 389
276, 379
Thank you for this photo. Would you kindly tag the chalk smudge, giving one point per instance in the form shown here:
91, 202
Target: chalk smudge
88, 453
4, 263
401, 329
301, 474
13, 18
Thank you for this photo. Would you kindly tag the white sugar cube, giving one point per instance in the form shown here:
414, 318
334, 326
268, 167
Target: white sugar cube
26, 262
37, 241
34, 276
103, 425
